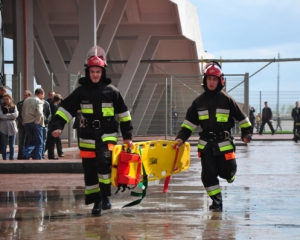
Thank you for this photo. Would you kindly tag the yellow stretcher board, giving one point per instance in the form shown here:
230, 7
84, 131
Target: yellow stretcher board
158, 158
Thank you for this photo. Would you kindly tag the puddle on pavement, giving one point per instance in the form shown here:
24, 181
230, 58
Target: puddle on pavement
259, 204
183, 212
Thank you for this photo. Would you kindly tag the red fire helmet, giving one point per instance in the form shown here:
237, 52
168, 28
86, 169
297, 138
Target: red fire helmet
212, 69
95, 62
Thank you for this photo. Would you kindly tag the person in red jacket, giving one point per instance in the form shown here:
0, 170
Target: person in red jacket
103, 112
215, 112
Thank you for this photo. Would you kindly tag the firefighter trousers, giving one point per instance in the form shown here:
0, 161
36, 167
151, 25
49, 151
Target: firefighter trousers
97, 175
216, 166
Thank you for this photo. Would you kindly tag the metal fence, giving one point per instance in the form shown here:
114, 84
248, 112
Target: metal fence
152, 109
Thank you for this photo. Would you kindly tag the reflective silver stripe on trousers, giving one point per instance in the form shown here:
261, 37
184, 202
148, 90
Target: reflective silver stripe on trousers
104, 176
208, 189
92, 187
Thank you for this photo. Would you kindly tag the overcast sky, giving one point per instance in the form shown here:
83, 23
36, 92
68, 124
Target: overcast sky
253, 29
249, 29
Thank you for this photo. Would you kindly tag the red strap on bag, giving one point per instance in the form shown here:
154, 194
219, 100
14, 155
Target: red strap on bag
166, 185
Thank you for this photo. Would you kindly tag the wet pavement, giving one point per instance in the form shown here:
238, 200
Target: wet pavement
262, 203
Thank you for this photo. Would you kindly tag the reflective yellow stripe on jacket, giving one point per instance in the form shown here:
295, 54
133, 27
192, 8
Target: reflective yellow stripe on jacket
225, 146
201, 144
203, 115
108, 110
87, 108
87, 143
245, 123
187, 124
64, 114
110, 137
124, 117
222, 115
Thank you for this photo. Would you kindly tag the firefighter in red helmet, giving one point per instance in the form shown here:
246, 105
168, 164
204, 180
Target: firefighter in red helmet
215, 112
104, 111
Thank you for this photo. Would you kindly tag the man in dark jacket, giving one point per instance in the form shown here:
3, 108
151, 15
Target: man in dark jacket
215, 112
251, 116
47, 119
294, 116
51, 141
21, 128
266, 118
103, 110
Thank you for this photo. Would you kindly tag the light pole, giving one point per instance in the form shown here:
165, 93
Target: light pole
278, 86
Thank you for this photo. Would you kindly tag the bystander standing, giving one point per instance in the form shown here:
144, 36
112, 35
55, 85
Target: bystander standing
278, 123
33, 120
51, 141
266, 118
294, 116
8, 126
47, 118
21, 128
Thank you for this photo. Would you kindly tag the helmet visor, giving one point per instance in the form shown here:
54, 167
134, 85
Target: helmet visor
96, 51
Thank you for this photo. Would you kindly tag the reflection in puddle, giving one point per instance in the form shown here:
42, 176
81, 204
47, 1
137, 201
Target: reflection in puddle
259, 204
48, 213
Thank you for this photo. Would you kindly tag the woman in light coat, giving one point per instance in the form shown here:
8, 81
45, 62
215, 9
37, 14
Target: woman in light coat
8, 126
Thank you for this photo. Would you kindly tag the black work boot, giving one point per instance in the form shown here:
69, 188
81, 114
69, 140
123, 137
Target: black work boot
97, 208
105, 202
216, 205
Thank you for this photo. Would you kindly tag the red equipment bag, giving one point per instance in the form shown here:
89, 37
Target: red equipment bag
128, 169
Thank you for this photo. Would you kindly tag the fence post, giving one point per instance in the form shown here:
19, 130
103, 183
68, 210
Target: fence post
260, 103
69, 125
166, 109
246, 94
52, 82
171, 104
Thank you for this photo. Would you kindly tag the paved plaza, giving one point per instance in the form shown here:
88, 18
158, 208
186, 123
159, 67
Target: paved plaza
262, 203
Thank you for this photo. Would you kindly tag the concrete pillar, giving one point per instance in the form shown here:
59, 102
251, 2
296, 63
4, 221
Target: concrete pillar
2, 81
146, 108
87, 30
112, 23
23, 55
138, 80
42, 72
52, 52
133, 63
76, 65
